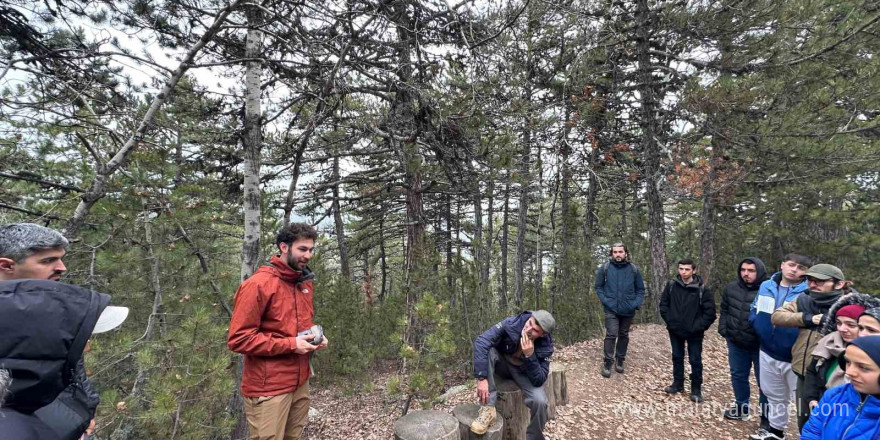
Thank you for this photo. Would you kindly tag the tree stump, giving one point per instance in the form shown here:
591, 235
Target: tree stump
426, 425
560, 386
512, 409
466, 414
551, 397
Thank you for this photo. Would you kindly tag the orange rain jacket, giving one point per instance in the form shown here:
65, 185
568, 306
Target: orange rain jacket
271, 307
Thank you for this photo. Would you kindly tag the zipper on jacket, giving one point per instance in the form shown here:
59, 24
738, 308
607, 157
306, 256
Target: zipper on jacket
858, 413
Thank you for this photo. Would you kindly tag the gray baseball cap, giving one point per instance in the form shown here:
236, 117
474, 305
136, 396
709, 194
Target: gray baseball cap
825, 272
545, 320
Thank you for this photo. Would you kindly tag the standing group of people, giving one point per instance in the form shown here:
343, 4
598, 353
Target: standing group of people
803, 330
810, 338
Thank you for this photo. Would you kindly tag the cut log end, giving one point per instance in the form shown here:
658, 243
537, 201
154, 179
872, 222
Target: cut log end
426, 425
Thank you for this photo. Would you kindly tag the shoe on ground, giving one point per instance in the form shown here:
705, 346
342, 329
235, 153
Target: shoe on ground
764, 434
606, 369
735, 413
674, 388
696, 395
619, 366
484, 420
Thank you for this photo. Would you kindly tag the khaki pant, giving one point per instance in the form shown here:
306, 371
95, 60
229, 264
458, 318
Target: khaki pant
280, 417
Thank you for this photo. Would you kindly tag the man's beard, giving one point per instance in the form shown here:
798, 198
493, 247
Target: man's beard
292, 263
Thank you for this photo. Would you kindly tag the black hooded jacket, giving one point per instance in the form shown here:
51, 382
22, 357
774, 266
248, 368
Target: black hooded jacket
45, 326
686, 311
733, 323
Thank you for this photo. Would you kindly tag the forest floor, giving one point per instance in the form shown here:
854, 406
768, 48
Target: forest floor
626, 406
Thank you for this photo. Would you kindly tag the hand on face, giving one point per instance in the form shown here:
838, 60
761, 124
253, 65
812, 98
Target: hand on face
526, 343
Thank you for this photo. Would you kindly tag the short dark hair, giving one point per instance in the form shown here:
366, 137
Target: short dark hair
294, 231
801, 259
687, 261
618, 244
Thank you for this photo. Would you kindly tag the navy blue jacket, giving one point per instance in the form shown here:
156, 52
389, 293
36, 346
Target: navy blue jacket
842, 415
504, 336
621, 289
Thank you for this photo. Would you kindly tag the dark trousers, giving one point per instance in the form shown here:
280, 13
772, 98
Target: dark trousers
741, 362
803, 405
616, 335
533, 396
695, 357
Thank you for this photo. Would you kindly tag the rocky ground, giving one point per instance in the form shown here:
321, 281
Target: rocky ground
626, 406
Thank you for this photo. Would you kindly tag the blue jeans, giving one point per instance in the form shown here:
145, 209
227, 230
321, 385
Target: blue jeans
741, 362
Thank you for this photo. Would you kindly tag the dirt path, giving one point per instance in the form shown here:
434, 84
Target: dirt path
628, 406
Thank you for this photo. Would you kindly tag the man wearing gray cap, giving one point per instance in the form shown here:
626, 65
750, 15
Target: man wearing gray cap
826, 284
518, 348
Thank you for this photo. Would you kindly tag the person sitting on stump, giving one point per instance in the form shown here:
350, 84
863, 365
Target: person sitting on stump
518, 348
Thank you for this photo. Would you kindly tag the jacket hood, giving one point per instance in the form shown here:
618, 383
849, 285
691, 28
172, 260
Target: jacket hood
830, 346
45, 326
761, 273
852, 298
287, 273
696, 281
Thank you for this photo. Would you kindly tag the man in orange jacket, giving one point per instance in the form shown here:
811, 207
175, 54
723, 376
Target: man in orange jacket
272, 307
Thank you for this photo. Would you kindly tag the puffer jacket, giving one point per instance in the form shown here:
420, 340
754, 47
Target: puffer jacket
844, 414
733, 322
505, 336
621, 288
684, 310
823, 371
850, 298
45, 327
775, 341
271, 307
799, 313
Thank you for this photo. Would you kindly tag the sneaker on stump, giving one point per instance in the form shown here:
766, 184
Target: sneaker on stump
484, 420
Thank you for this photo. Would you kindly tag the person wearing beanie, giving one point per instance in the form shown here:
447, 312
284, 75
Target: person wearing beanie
517, 348
825, 283
869, 322
823, 372
851, 411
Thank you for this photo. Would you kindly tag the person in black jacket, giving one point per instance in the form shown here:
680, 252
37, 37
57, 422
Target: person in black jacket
742, 342
688, 308
30, 251
45, 327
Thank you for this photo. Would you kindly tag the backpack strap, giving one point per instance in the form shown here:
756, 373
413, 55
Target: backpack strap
604, 273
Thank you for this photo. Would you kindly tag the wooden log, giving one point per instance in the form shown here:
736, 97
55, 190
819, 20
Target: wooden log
560, 386
426, 425
466, 414
551, 397
512, 409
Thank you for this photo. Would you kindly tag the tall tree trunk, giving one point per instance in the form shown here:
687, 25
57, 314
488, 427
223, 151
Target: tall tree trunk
711, 194
448, 205
648, 122
253, 144
478, 245
382, 262
137, 398
340, 226
523, 216
505, 226
539, 260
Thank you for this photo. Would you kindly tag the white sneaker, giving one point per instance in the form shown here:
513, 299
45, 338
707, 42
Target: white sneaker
764, 434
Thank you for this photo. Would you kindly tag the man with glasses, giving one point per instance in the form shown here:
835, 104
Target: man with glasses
778, 382
826, 284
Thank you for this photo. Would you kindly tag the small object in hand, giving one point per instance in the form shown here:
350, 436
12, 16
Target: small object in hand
316, 330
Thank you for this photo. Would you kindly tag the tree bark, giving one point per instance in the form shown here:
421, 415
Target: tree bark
648, 122
340, 226
505, 226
